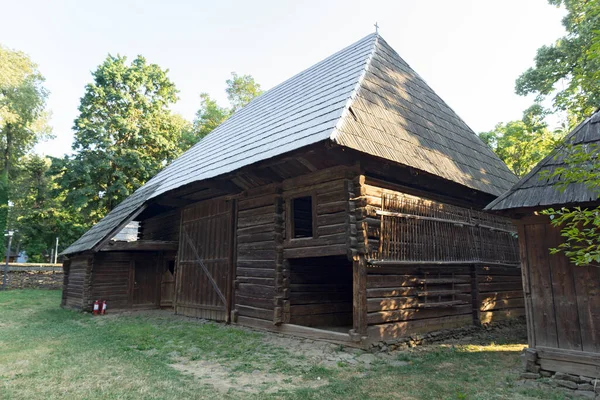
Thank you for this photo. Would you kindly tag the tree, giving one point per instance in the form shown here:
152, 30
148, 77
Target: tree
124, 135
569, 70
579, 226
522, 144
241, 89
22, 116
209, 116
38, 212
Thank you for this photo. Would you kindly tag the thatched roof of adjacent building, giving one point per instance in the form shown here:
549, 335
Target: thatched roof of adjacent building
539, 189
364, 97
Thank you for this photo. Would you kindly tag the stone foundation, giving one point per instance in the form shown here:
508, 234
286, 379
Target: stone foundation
404, 343
580, 385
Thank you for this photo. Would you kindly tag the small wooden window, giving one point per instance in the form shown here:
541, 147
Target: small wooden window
302, 217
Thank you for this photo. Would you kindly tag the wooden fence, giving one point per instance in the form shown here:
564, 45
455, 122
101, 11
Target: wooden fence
416, 230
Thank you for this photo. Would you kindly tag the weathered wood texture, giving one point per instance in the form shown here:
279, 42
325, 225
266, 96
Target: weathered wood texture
358, 229
167, 283
125, 280
128, 280
330, 204
499, 293
258, 254
538, 189
203, 275
112, 280
415, 291
266, 249
321, 291
164, 226
403, 300
77, 281
418, 229
147, 273
562, 301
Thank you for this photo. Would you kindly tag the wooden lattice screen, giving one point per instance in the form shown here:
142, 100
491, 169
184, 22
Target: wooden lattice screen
419, 230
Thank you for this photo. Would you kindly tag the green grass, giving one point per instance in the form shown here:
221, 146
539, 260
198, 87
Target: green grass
50, 353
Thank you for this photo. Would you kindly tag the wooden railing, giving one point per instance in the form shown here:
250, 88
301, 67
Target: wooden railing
417, 231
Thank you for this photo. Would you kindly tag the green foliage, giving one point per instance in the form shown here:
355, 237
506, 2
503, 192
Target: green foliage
581, 229
579, 226
38, 213
569, 70
124, 135
241, 89
209, 116
22, 117
522, 144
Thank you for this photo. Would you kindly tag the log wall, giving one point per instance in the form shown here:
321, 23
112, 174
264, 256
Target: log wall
321, 291
499, 293
164, 226
330, 201
111, 279
412, 297
77, 282
110, 276
266, 249
258, 237
562, 302
403, 300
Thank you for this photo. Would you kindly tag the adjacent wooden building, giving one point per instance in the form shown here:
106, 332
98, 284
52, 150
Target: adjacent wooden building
344, 203
562, 300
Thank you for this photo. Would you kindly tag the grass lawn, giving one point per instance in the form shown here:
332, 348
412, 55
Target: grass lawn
50, 353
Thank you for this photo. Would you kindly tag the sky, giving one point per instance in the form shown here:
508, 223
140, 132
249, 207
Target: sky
469, 51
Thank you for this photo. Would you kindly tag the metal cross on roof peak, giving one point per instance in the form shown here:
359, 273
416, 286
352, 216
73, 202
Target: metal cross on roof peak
376, 27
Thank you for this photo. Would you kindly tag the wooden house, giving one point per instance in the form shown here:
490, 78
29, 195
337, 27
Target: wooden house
562, 300
344, 203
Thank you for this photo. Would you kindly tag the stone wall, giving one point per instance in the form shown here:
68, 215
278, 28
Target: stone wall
35, 279
578, 386
514, 328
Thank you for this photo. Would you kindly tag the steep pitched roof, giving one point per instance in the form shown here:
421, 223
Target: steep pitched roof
536, 189
397, 116
364, 97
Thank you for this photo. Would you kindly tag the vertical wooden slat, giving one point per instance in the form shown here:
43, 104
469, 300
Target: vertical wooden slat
206, 236
541, 286
563, 294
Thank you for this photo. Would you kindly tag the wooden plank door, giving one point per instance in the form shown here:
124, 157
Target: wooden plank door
205, 260
145, 283
167, 284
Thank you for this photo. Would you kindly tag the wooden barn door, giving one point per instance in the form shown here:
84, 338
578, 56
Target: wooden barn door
205, 260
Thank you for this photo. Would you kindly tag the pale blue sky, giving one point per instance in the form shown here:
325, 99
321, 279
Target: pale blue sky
469, 51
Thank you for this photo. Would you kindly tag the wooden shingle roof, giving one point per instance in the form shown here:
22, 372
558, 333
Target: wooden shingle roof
537, 189
364, 97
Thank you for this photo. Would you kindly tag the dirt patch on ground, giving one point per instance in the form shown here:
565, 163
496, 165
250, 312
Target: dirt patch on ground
225, 379
309, 363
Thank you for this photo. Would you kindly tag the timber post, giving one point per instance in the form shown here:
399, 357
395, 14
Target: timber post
475, 295
281, 312
358, 250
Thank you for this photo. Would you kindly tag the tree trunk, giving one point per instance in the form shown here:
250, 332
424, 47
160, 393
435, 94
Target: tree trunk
4, 185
